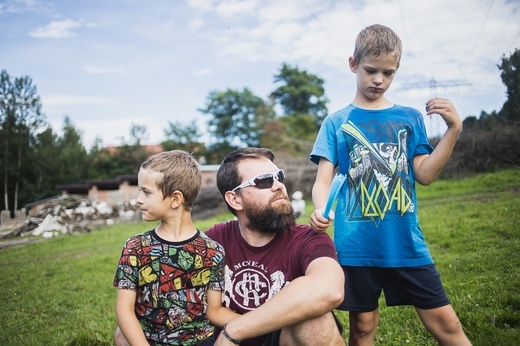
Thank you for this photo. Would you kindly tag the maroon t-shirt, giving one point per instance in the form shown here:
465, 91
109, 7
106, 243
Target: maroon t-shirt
255, 274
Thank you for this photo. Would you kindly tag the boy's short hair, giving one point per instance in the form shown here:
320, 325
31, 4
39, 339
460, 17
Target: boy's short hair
181, 173
375, 40
228, 176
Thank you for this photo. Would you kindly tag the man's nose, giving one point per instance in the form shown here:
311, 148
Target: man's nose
277, 185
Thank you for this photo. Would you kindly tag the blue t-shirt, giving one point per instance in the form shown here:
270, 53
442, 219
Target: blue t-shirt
376, 222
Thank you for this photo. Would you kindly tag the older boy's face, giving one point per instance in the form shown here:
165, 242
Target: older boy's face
375, 75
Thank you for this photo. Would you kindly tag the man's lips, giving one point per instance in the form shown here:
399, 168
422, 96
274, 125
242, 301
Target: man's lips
280, 198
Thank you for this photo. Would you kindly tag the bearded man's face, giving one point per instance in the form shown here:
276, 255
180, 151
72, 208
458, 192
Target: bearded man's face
271, 218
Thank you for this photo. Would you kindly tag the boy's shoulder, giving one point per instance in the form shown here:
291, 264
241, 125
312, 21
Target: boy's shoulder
211, 242
352, 110
144, 234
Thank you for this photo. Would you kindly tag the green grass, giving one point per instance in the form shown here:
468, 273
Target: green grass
59, 292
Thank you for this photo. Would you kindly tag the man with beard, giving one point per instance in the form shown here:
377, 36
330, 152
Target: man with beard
282, 278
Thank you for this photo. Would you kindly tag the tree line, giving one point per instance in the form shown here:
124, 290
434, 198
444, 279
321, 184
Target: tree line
34, 159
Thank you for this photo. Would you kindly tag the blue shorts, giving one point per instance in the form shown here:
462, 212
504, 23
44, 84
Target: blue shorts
417, 286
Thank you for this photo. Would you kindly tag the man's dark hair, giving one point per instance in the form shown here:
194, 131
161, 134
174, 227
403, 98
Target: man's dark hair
228, 177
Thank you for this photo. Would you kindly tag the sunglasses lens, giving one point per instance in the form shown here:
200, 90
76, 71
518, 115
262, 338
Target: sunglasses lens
264, 183
280, 176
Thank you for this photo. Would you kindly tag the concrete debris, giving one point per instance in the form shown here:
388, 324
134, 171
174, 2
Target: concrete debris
70, 214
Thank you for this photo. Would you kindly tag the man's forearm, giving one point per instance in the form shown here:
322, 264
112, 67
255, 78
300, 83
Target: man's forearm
301, 300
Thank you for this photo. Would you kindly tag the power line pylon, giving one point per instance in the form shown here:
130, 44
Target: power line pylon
433, 83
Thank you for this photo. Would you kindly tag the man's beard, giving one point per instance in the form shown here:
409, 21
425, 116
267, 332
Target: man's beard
270, 219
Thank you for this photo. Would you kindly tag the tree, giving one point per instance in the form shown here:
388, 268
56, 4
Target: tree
46, 166
138, 134
511, 78
20, 118
183, 137
72, 157
108, 163
238, 118
301, 93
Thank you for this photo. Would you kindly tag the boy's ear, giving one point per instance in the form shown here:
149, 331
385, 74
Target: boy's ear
176, 199
233, 200
352, 64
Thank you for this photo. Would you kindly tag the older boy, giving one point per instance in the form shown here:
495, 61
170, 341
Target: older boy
383, 149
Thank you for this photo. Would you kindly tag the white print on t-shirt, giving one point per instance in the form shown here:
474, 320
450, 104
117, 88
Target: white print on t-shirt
249, 287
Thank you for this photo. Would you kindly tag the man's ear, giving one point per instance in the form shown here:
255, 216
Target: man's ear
234, 200
176, 199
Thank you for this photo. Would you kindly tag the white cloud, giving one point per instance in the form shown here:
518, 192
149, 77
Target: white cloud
56, 29
230, 8
16, 6
203, 72
175, 52
194, 25
90, 69
72, 100
204, 5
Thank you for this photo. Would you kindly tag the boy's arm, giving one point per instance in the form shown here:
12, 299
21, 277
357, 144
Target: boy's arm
217, 314
428, 167
320, 194
126, 318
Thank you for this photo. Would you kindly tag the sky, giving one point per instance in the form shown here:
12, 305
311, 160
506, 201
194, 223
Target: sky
109, 65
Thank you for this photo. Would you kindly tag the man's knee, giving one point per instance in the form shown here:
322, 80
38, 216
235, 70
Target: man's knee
322, 330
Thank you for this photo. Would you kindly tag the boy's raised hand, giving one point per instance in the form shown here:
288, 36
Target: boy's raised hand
320, 223
446, 110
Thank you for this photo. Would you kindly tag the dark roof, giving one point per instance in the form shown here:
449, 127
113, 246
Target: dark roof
74, 188
131, 178
109, 184
113, 184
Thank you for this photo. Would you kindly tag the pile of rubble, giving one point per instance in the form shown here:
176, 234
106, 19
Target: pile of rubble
70, 214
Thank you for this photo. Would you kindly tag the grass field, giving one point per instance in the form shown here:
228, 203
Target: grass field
59, 292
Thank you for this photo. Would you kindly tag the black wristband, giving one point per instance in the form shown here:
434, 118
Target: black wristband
229, 337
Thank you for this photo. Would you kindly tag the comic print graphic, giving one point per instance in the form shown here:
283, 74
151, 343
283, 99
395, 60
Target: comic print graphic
378, 171
170, 281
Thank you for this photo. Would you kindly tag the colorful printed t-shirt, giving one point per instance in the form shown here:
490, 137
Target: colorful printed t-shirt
376, 222
255, 274
170, 280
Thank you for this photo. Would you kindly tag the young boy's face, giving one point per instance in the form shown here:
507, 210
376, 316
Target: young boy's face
150, 199
374, 74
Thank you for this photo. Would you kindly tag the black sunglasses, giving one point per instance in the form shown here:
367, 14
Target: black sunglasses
263, 181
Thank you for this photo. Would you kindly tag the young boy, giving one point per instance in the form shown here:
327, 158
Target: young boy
383, 150
169, 279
